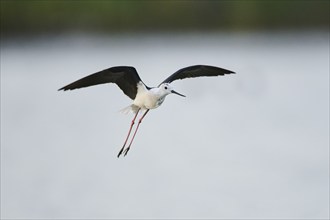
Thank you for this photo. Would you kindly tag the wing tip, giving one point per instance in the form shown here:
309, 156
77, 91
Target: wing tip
226, 71
223, 70
65, 88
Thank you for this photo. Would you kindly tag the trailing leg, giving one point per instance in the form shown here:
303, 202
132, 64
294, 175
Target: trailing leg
129, 132
137, 127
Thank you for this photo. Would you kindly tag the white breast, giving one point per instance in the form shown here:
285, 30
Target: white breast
147, 99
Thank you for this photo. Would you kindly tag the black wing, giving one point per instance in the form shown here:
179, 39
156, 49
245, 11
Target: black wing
197, 71
124, 76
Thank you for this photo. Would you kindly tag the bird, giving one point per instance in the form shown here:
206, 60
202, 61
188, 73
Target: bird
144, 97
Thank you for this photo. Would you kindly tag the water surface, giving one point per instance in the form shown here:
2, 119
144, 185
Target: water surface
250, 145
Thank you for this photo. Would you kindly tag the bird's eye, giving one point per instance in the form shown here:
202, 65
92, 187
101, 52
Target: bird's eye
165, 87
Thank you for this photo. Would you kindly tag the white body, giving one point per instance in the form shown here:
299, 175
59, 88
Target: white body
149, 99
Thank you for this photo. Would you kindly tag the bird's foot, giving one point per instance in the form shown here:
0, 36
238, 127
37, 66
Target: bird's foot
126, 151
120, 152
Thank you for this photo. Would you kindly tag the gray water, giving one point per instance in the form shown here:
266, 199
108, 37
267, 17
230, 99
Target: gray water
250, 145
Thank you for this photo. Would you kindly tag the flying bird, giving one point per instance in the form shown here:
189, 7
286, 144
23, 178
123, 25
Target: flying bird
144, 97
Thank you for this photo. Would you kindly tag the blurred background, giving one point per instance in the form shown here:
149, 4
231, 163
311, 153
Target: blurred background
35, 17
254, 145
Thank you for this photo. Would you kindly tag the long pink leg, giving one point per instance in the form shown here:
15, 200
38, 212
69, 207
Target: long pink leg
137, 127
129, 132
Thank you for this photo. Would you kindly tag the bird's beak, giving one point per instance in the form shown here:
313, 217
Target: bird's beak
177, 93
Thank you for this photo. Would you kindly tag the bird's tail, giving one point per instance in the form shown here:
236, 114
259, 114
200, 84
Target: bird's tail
129, 109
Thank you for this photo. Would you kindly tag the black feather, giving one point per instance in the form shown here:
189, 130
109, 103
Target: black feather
125, 77
197, 71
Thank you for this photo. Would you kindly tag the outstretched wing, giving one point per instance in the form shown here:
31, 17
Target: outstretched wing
124, 76
197, 71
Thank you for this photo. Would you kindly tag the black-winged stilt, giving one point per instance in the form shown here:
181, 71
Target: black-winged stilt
144, 97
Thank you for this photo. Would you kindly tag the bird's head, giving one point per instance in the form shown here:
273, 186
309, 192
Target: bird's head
167, 89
